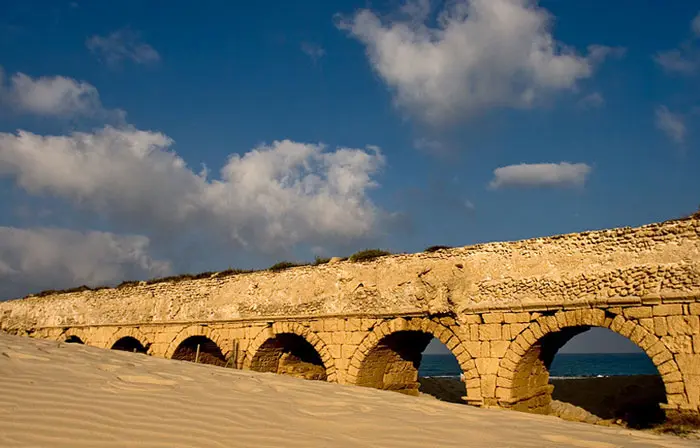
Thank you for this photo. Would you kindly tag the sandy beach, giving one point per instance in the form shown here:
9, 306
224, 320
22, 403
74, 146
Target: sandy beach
67, 395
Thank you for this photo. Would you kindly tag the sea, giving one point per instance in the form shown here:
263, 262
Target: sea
564, 365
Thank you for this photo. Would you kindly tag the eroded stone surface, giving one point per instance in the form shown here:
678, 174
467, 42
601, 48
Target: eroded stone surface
503, 309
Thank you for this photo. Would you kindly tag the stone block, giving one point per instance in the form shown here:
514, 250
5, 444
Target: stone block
516, 329
529, 336
627, 328
471, 319
473, 347
347, 351
499, 348
335, 350
647, 341
490, 332
487, 366
502, 393
660, 326
637, 312
505, 329
638, 334
647, 323
353, 324
673, 377
474, 332
668, 309
513, 318
338, 337
488, 386
694, 309
661, 357
666, 367
562, 321
656, 348
617, 324
493, 318
675, 388
678, 344
696, 343
508, 365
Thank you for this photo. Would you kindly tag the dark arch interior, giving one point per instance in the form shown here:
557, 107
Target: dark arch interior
209, 352
394, 362
129, 344
74, 340
289, 354
592, 385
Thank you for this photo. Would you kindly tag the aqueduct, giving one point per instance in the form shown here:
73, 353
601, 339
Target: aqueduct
503, 309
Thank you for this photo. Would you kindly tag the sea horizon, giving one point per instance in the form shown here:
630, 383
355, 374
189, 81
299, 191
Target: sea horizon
564, 365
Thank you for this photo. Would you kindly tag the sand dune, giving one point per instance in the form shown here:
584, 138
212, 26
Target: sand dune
66, 395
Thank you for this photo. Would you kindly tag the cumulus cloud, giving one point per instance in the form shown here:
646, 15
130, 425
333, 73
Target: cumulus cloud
122, 45
480, 55
671, 124
312, 50
684, 60
53, 96
562, 174
48, 258
271, 197
591, 101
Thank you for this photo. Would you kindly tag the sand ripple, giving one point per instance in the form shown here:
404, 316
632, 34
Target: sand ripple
61, 395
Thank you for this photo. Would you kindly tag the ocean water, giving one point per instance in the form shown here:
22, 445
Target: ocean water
564, 365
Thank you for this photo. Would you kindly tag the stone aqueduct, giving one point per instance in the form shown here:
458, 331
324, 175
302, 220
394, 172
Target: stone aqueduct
503, 309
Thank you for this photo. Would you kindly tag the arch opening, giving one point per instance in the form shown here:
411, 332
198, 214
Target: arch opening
289, 354
398, 363
129, 344
589, 374
209, 352
74, 340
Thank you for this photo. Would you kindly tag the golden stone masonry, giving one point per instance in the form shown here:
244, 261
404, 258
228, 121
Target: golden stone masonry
503, 309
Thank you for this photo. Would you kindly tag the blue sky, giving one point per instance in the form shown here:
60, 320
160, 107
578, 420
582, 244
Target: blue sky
440, 123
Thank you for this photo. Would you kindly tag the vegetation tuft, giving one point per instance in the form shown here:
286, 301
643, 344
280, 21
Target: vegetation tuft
436, 248
320, 260
282, 265
368, 254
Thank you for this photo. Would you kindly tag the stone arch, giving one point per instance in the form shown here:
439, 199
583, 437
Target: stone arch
208, 339
293, 344
75, 335
523, 373
388, 357
123, 334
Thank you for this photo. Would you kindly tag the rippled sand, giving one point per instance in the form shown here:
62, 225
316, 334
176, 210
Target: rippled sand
66, 395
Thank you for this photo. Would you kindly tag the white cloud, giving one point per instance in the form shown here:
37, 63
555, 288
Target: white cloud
673, 125
483, 54
272, 197
591, 101
562, 174
428, 145
121, 45
312, 50
48, 258
54, 96
684, 60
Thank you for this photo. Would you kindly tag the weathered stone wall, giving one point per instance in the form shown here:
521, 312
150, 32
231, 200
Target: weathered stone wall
503, 309
655, 259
